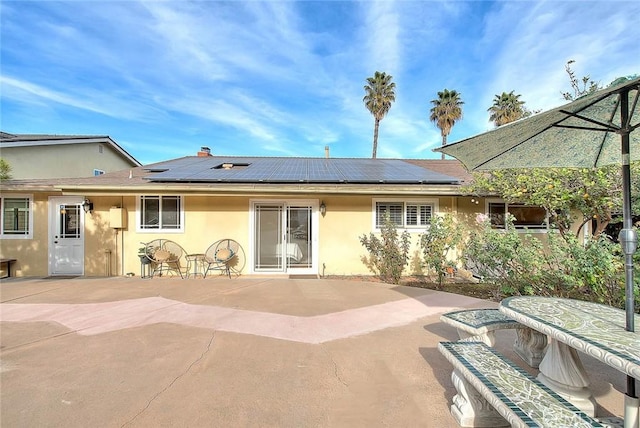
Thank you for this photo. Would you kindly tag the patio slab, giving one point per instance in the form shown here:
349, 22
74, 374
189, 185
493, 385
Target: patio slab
268, 352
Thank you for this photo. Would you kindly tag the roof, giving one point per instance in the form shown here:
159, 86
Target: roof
211, 169
33, 140
444, 178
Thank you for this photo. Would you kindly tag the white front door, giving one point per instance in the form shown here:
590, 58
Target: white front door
284, 237
66, 236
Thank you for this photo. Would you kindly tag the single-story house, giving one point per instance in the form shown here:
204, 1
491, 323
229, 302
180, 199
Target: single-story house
314, 208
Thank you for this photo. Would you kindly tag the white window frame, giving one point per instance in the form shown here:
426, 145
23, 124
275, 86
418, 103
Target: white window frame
139, 226
519, 228
29, 234
432, 202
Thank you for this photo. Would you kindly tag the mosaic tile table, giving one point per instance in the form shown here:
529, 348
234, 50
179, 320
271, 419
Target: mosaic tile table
573, 325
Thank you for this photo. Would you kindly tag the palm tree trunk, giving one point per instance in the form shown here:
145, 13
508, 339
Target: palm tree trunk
375, 138
444, 143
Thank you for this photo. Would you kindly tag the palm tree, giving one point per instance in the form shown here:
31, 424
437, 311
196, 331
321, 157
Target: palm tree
380, 93
446, 111
507, 108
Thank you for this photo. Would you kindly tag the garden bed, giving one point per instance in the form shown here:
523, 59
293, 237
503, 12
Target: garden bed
454, 285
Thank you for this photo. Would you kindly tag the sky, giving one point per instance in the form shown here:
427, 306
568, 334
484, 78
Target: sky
286, 78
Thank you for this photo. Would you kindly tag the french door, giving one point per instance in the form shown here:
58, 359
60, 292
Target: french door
66, 236
284, 236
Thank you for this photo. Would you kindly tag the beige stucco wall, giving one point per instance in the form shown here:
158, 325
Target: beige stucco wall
31, 254
208, 219
62, 161
347, 219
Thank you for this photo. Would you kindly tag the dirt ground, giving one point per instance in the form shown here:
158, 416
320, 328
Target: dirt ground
449, 285
477, 290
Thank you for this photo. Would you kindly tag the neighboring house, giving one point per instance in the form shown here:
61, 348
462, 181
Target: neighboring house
314, 208
62, 156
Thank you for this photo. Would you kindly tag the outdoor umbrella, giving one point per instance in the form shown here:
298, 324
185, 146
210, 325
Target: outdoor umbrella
595, 130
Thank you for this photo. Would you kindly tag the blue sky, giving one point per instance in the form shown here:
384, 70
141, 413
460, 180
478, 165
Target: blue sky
285, 78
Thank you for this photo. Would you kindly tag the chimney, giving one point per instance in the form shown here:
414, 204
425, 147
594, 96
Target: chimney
204, 151
326, 152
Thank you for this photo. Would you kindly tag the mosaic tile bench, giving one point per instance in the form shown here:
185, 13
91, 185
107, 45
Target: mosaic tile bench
494, 392
483, 323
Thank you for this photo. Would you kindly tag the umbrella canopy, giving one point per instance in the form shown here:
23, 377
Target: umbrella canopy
584, 133
592, 131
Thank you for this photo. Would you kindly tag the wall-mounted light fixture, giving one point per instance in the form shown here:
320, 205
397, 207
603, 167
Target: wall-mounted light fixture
323, 208
87, 206
475, 201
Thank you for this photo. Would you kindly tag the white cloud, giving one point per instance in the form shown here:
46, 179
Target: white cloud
87, 99
287, 77
539, 41
382, 29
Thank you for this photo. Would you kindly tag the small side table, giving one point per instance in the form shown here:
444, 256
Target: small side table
195, 265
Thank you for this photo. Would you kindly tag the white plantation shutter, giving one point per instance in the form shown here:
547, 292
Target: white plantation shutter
404, 214
393, 208
418, 214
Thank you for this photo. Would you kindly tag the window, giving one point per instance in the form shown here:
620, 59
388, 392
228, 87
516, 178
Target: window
161, 213
418, 215
394, 210
16, 217
524, 216
404, 214
97, 172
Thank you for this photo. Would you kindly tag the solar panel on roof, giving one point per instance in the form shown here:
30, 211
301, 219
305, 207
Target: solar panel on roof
290, 170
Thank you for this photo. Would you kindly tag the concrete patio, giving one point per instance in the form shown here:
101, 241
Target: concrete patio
268, 352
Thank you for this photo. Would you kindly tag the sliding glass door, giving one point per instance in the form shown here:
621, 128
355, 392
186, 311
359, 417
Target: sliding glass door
284, 236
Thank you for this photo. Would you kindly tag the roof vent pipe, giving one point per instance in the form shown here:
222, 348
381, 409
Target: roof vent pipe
326, 152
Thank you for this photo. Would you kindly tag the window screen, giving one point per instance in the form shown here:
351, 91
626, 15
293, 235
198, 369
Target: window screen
15, 216
160, 212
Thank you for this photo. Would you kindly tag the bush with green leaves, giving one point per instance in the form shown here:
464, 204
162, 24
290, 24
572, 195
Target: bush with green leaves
389, 253
591, 270
504, 257
566, 267
442, 238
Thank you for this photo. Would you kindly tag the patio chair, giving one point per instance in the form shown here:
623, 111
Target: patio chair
166, 257
225, 256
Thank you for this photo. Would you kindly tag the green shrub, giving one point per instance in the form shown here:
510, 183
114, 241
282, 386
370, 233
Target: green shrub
505, 257
389, 253
521, 264
442, 237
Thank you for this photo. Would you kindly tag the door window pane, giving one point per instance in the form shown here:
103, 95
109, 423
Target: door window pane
69, 221
268, 226
298, 249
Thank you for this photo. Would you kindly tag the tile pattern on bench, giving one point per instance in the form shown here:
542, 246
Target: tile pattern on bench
515, 392
597, 326
476, 319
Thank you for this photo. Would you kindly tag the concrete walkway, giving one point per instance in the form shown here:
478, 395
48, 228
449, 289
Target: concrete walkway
119, 352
